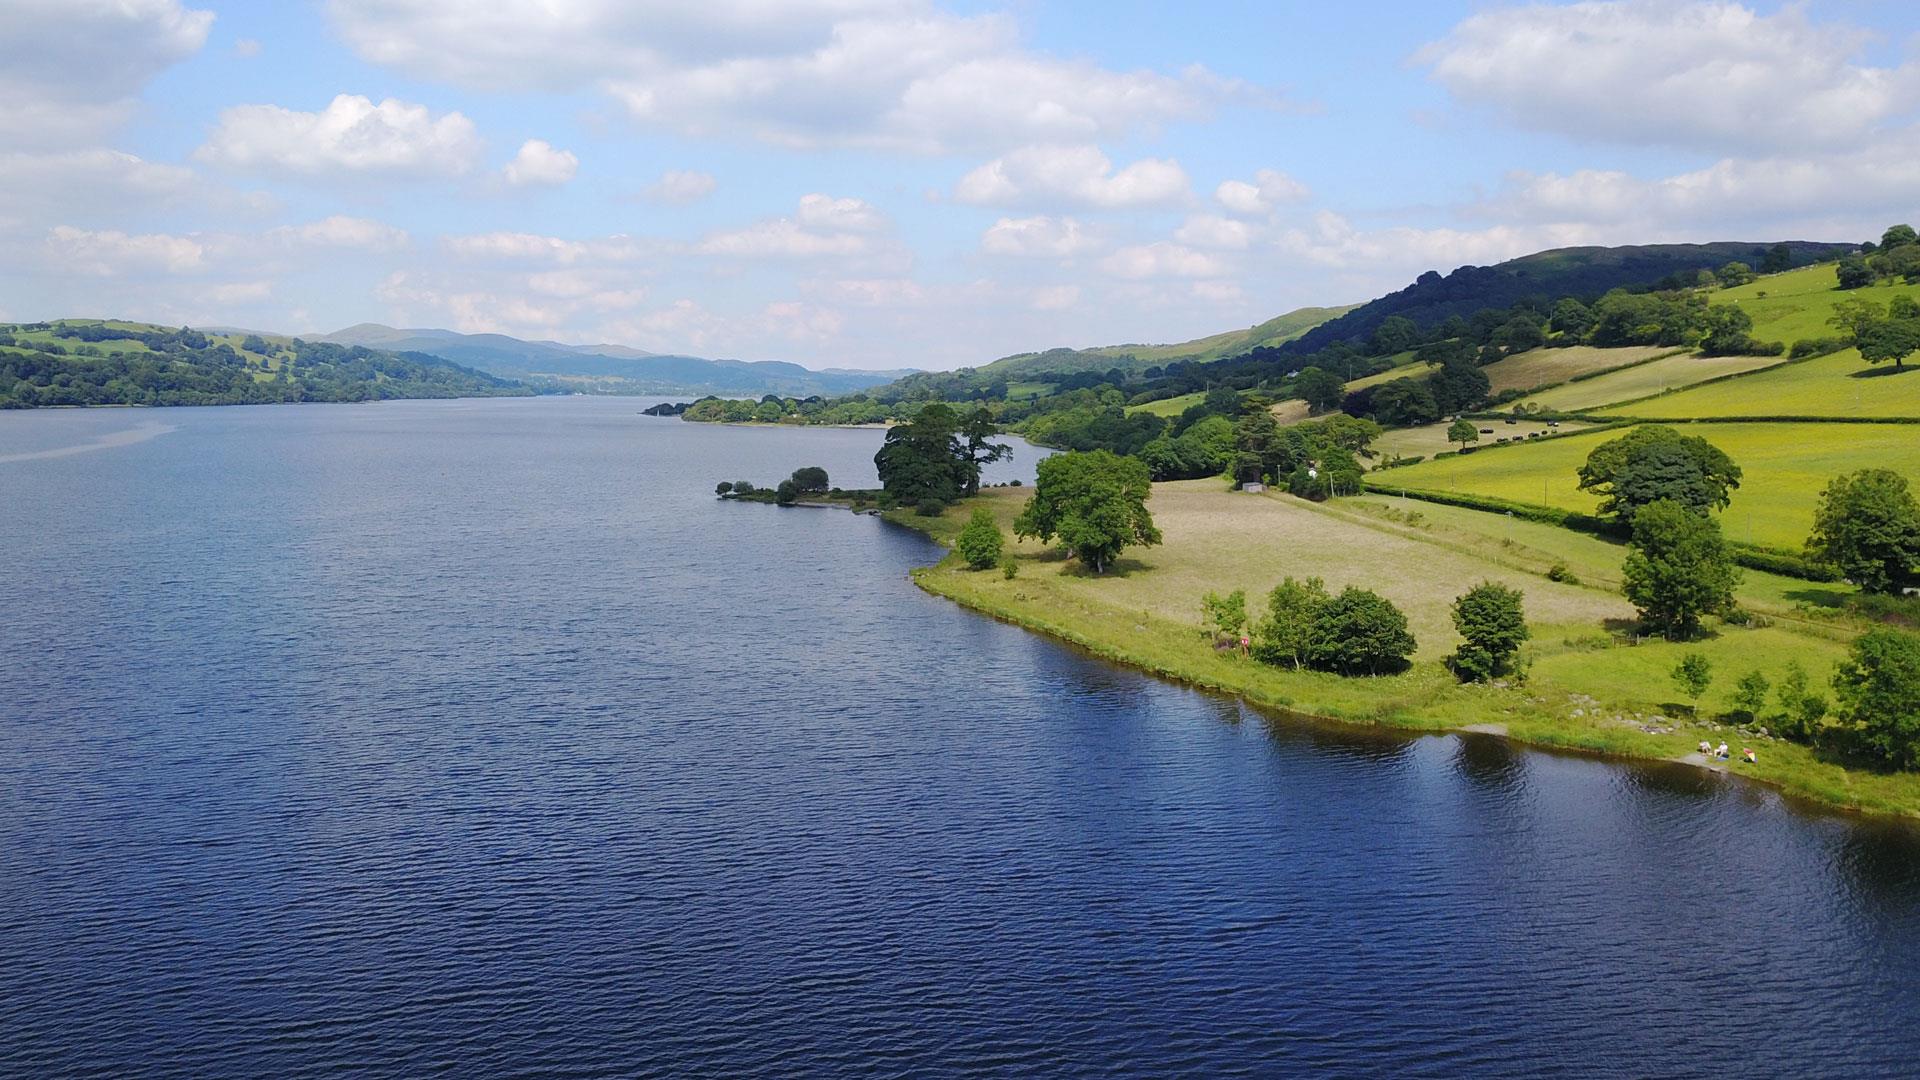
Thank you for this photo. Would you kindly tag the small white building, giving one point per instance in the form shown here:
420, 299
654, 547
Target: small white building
1256, 487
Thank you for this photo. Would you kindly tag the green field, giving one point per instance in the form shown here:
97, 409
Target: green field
1840, 384
1645, 380
1795, 305
1431, 439
1786, 467
1167, 407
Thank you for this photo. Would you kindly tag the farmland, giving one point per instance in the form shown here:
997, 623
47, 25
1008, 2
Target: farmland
1786, 466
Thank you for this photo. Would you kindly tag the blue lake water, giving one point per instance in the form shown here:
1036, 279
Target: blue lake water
478, 738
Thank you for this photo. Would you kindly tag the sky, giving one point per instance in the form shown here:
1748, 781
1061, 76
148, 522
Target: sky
904, 183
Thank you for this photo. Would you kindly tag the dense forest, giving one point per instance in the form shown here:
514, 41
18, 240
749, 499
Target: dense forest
112, 363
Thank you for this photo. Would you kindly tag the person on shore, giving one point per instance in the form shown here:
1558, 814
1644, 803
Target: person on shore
1721, 753
1706, 748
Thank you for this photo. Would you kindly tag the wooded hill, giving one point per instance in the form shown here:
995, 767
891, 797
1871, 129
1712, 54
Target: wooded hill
110, 362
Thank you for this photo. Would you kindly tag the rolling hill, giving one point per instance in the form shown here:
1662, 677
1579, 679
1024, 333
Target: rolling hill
1584, 272
612, 368
1135, 358
110, 362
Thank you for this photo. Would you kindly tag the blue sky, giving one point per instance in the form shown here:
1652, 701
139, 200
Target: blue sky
884, 183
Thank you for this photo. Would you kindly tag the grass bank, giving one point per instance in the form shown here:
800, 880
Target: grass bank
1591, 687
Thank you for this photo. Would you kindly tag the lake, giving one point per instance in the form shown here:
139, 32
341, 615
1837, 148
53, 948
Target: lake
479, 738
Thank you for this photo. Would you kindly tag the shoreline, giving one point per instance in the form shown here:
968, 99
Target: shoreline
1418, 703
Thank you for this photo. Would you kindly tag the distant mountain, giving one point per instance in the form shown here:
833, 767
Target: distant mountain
1585, 272
612, 368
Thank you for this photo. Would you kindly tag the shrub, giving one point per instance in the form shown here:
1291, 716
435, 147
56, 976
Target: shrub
1559, 572
1223, 618
981, 542
1692, 675
786, 494
1750, 694
1801, 710
930, 508
1808, 348
1285, 636
1490, 619
723, 487
1360, 632
1878, 692
743, 487
1009, 568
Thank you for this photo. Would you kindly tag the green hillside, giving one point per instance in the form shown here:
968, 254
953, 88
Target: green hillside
1132, 358
72, 362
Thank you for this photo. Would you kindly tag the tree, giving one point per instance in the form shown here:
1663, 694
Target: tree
1224, 617
1779, 258
1094, 501
1854, 273
1491, 622
786, 494
1459, 385
1801, 710
1395, 334
1463, 432
1360, 632
923, 459
1729, 332
1854, 315
1889, 339
980, 543
978, 430
810, 478
1878, 695
1652, 462
743, 487
1750, 694
1692, 675
1734, 273
1678, 569
1521, 334
1868, 527
1898, 236
723, 487
1571, 317
1285, 636
1405, 403
1322, 390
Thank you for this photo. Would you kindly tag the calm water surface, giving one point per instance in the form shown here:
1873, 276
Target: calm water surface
477, 738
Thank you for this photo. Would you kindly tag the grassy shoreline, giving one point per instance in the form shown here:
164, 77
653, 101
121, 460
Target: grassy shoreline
1582, 695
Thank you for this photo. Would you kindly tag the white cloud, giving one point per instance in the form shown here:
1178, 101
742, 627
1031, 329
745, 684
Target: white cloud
782, 238
110, 252
679, 186
1161, 260
1046, 237
846, 215
240, 292
343, 232
70, 70
1055, 298
895, 74
1398, 252
531, 247
1269, 189
540, 163
1212, 231
351, 134
1218, 292
873, 292
1071, 175
89, 179
1687, 74
246, 48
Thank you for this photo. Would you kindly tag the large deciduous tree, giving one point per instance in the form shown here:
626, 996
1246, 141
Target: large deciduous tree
1094, 502
1877, 692
1868, 527
1678, 569
1651, 463
923, 460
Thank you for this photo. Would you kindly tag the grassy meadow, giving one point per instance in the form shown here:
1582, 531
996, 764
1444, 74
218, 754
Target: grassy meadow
1645, 380
1838, 385
1591, 685
1430, 439
1785, 467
